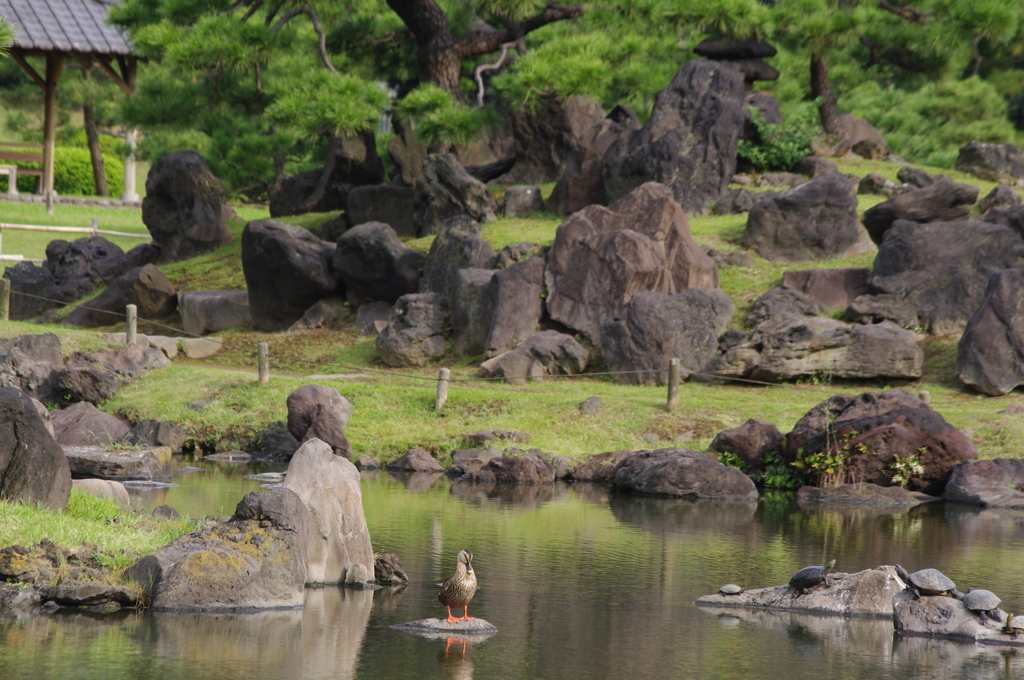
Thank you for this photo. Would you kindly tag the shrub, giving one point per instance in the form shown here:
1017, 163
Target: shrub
72, 173
782, 145
437, 119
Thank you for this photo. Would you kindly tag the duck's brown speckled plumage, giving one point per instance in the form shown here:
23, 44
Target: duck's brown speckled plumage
459, 588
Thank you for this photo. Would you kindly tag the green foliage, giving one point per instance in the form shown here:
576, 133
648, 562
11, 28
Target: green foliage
781, 145
930, 125
779, 476
732, 460
902, 468
7, 35
739, 19
72, 173
437, 119
323, 102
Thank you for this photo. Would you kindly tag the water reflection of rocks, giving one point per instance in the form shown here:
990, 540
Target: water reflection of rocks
872, 635
514, 495
415, 481
667, 516
950, 660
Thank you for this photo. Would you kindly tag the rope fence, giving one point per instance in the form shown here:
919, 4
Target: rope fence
444, 378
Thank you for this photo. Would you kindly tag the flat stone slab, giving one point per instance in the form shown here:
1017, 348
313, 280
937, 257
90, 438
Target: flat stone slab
863, 593
462, 628
125, 464
865, 494
200, 348
946, 617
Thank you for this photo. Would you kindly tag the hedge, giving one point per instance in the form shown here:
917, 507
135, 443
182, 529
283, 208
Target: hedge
72, 173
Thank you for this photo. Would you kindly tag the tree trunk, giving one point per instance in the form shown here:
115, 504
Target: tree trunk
325, 176
92, 137
820, 87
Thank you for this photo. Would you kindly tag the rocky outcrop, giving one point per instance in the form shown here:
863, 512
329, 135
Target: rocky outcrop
122, 464
209, 311
329, 488
994, 162
31, 363
458, 245
29, 283
375, 266
831, 288
914, 263
394, 206
602, 256
146, 287
988, 483
517, 305
875, 429
97, 374
528, 469
684, 473
990, 355
415, 333
749, 442
814, 221
940, 201
182, 207
600, 467
522, 199
472, 310
946, 617
552, 138
286, 269
689, 142
657, 327
82, 424
415, 460
778, 302
739, 201
1001, 196
545, 353
864, 593
446, 190
33, 468
320, 412
884, 307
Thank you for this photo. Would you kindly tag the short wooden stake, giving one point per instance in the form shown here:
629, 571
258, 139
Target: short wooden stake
925, 396
5, 299
263, 362
673, 384
50, 195
130, 325
94, 224
442, 389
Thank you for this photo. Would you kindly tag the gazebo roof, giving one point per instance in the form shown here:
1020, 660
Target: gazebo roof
72, 26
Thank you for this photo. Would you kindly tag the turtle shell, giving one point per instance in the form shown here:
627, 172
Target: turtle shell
931, 582
730, 589
981, 600
807, 577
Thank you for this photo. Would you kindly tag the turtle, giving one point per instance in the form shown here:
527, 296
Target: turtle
1013, 626
808, 577
730, 589
985, 603
927, 582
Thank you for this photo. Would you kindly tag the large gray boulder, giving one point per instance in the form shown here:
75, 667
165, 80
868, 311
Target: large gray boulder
789, 346
458, 245
943, 268
832, 288
27, 280
549, 139
990, 355
287, 269
994, 162
518, 305
989, 483
528, 469
97, 374
82, 424
394, 206
1011, 216
545, 353
320, 412
472, 310
778, 302
1001, 196
657, 327
151, 432
415, 334
946, 617
816, 220
943, 200
81, 259
182, 207
447, 190
33, 468
602, 256
876, 428
146, 287
255, 560
329, 487
684, 473
689, 143
375, 266
209, 311
99, 462
31, 363
749, 442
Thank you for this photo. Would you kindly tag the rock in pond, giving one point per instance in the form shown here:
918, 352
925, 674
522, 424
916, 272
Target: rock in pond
474, 630
988, 483
942, 616
682, 472
96, 462
863, 593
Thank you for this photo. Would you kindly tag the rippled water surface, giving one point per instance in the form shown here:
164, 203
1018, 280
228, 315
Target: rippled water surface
580, 584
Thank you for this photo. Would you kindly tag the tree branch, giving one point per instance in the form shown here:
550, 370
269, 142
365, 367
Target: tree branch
252, 10
286, 17
482, 42
908, 13
479, 71
323, 38
889, 54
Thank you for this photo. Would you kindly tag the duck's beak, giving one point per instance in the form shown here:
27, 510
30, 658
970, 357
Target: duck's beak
469, 566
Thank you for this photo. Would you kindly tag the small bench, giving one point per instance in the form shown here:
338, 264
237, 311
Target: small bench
16, 152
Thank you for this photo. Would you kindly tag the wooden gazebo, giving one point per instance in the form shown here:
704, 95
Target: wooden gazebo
58, 30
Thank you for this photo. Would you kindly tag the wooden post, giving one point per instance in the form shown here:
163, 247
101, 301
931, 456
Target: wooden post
5, 299
130, 324
673, 384
442, 389
263, 362
54, 64
94, 224
925, 396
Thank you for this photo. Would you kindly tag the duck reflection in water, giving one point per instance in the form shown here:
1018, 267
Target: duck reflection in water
454, 664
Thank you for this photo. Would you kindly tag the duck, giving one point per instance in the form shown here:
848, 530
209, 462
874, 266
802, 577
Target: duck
459, 588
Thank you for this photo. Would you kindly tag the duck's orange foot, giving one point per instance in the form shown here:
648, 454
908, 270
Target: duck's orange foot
452, 619
466, 618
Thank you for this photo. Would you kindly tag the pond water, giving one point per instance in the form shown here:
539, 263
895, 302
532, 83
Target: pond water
580, 583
